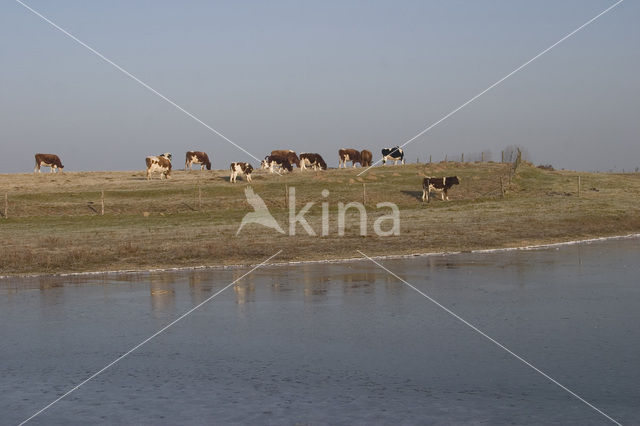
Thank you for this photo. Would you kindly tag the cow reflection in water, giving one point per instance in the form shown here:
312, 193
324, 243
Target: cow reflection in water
244, 289
163, 295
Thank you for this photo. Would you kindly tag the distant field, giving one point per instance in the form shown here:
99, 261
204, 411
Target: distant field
54, 223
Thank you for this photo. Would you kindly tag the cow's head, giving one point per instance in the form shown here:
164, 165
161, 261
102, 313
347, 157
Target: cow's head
166, 155
453, 180
264, 164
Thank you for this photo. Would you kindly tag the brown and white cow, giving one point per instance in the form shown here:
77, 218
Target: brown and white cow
348, 154
160, 163
272, 161
48, 160
288, 154
365, 158
197, 157
438, 184
314, 161
240, 169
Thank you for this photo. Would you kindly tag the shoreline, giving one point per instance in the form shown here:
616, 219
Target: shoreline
326, 261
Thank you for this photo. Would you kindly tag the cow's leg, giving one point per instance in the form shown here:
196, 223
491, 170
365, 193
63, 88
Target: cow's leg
403, 161
248, 177
148, 174
424, 194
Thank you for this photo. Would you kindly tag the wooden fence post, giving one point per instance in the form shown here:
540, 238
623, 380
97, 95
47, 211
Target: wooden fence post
364, 193
102, 202
445, 158
578, 186
286, 194
462, 158
502, 185
6, 205
429, 158
502, 157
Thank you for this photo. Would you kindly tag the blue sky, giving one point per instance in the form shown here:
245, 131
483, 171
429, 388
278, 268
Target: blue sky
317, 76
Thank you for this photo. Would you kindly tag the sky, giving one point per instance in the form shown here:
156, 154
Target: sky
316, 76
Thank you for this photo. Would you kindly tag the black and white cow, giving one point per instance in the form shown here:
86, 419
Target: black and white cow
396, 154
314, 161
240, 169
438, 184
272, 161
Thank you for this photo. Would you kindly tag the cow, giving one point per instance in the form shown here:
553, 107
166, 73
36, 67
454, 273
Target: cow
197, 157
314, 161
348, 154
365, 158
396, 154
438, 184
288, 154
160, 163
270, 161
240, 169
48, 160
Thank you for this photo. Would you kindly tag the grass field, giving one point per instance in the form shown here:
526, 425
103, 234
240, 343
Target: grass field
54, 223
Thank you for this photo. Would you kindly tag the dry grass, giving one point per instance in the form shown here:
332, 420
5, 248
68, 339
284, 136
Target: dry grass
53, 225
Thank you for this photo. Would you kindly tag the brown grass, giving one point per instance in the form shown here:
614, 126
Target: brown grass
53, 225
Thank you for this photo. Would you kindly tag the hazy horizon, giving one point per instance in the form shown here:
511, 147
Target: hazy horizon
316, 77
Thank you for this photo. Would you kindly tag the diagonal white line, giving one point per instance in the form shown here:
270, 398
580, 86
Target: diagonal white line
501, 80
494, 341
133, 77
148, 339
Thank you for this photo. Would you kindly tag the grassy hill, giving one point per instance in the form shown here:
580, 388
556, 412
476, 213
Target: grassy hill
54, 222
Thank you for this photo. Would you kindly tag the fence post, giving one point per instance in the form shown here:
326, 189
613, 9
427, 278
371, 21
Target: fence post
445, 158
462, 158
364, 193
286, 194
578, 186
429, 158
502, 157
6, 205
102, 202
502, 185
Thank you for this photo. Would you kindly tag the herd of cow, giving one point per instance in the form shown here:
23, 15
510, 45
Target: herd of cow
278, 161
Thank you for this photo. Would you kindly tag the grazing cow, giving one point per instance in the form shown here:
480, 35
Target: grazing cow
160, 163
271, 161
197, 157
347, 154
396, 154
48, 160
365, 158
240, 169
314, 161
288, 154
438, 184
